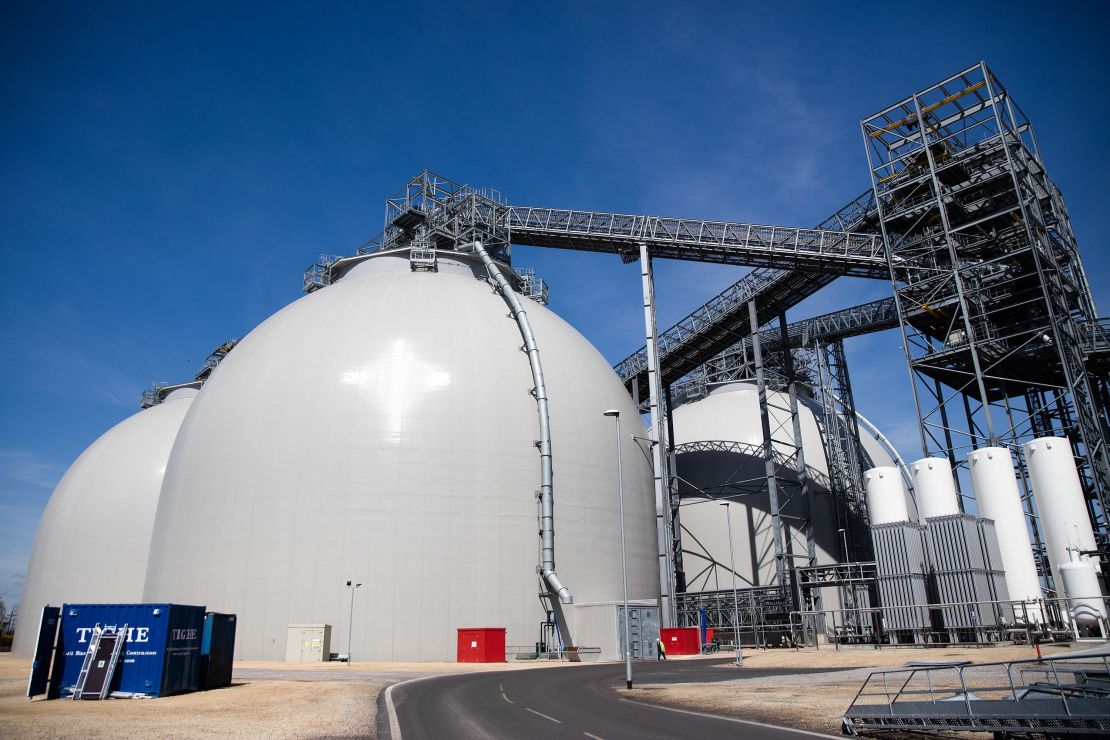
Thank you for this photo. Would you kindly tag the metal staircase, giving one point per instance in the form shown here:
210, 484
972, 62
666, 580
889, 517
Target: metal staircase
94, 681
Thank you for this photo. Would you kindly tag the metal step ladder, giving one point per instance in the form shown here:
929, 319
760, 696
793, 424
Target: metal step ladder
119, 637
422, 254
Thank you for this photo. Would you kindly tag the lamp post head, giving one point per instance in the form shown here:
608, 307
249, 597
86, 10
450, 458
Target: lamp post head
611, 412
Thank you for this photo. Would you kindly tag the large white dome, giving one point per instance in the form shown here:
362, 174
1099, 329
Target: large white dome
94, 535
382, 430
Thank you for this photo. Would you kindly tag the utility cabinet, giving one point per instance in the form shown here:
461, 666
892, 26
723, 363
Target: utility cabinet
308, 643
643, 630
481, 645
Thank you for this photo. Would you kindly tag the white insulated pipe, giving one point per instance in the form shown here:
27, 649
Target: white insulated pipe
935, 488
997, 498
886, 495
1061, 507
547, 496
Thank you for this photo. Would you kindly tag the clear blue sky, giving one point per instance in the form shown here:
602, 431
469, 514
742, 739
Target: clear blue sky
168, 170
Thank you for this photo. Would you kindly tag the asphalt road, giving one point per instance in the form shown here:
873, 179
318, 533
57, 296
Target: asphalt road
578, 701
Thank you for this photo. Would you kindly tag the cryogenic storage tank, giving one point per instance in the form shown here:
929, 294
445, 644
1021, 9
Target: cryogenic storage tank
718, 441
382, 430
886, 495
935, 489
94, 535
997, 498
1061, 507
1080, 585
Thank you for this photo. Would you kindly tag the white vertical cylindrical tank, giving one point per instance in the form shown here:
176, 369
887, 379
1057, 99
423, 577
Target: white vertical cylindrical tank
1061, 507
886, 495
997, 498
935, 489
1079, 582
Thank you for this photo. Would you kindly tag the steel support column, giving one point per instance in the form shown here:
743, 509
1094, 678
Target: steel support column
658, 447
804, 493
768, 452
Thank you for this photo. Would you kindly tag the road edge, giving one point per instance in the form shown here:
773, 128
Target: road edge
387, 720
751, 722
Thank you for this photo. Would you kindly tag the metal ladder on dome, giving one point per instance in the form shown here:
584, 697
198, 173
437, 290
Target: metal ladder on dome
422, 253
119, 637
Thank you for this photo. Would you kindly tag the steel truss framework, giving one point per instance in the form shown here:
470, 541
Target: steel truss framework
997, 317
1000, 330
720, 323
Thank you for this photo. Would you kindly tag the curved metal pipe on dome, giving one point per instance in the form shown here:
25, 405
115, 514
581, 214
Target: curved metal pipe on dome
547, 498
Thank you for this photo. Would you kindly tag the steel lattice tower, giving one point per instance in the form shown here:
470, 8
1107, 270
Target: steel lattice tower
997, 317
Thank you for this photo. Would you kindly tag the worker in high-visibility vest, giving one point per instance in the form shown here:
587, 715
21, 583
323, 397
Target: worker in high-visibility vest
662, 651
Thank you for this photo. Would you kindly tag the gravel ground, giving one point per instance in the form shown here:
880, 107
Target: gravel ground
285, 700
266, 700
815, 701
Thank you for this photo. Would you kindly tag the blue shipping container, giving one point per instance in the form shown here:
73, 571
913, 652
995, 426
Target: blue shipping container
217, 650
161, 655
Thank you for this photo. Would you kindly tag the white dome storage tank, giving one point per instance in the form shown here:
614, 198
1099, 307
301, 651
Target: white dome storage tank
1061, 508
886, 495
997, 498
382, 430
1080, 585
720, 441
94, 536
935, 489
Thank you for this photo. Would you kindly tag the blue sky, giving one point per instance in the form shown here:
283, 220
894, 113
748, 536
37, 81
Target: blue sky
167, 171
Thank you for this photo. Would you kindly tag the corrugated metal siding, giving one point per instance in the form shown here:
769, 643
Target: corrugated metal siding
899, 549
903, 599
161, 654
902, 564
962, 550
988, 537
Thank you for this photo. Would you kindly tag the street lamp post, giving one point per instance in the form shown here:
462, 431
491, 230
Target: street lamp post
735, 598
351, 620
624, 560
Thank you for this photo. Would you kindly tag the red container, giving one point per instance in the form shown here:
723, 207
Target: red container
709, 634
680, 640
481, 645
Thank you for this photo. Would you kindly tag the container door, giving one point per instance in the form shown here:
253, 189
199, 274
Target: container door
635, 633
101, 669
44, 651
312, 646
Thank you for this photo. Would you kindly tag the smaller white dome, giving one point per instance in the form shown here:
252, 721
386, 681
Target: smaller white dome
94, 536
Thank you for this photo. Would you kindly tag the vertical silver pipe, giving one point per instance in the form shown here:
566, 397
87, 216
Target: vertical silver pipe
658, 448
547, 499
735, 597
